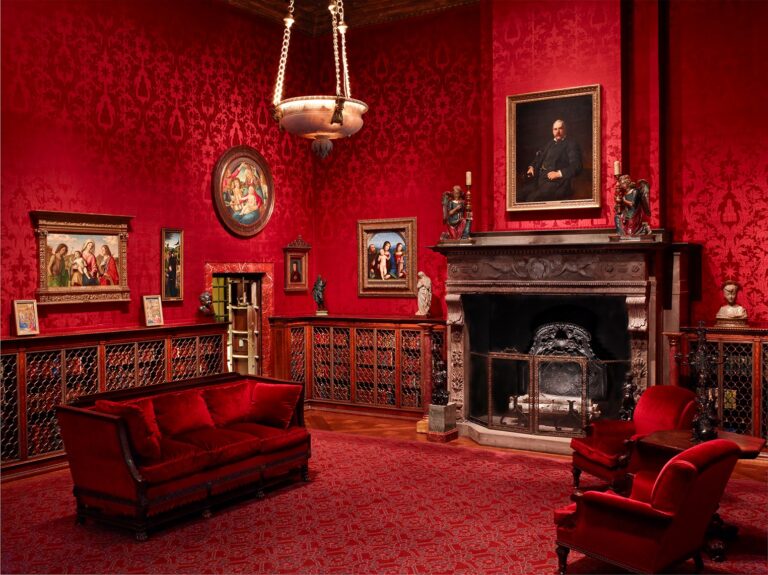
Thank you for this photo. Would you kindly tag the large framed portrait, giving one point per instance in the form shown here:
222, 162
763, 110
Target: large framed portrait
386, 258
553, 150
296, 256
25, 315
82, 258
243, 191
172, 251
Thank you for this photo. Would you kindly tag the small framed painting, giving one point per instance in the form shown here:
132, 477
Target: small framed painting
153, 310
173, 265
243, 192
386, 258
296, 256
25, 312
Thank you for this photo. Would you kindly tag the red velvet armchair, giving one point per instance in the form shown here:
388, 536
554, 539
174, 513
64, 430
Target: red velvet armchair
661, 523
606, 449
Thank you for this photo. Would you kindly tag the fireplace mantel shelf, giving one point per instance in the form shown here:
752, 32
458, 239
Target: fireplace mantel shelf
578, 240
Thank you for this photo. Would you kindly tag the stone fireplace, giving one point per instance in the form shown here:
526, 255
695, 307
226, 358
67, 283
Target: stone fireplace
504, 288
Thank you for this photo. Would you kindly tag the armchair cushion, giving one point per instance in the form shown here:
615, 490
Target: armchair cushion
139, 416
180, 412
274, 404
603, 450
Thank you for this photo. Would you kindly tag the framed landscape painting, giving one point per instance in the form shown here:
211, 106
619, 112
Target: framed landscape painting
386, 258
82, 258
172, 288
243, 192
553, 150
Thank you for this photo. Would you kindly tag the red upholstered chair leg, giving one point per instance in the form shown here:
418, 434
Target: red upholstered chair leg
698, 562
562, 559
576, 476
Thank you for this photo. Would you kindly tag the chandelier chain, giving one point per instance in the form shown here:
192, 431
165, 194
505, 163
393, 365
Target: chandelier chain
278, 96
333, 7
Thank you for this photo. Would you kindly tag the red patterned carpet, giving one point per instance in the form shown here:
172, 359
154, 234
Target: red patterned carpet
373, 506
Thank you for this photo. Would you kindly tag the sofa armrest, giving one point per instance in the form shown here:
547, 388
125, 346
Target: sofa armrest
98, 452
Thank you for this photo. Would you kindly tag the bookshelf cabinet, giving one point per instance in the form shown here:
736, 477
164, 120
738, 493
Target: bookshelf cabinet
738, 374
40, 372
359, 363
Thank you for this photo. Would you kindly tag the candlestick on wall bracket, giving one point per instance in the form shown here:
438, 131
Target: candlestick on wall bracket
705, 422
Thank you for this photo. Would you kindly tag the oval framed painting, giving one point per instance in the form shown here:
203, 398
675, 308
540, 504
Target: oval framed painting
243, 191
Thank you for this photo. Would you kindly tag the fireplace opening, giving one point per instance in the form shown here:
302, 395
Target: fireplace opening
545, 364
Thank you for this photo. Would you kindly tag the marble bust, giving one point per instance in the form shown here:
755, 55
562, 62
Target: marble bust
731, 313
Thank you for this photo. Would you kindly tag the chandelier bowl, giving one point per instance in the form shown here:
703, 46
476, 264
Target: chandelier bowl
310, 116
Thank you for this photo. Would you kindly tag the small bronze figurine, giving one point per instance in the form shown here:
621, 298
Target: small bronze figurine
319, 296
632, 208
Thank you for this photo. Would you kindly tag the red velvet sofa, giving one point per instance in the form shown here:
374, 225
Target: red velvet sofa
144, 456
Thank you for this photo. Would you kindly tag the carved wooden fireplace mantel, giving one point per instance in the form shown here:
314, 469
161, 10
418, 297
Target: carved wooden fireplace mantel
650, 278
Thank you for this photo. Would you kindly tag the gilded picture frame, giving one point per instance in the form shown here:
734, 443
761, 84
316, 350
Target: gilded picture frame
172, 255
82, 258
25, 317
243, 191
296, 263
548, 170
153, 310
386, 258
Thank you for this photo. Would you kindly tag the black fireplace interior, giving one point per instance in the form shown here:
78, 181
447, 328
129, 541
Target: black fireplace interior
508, 322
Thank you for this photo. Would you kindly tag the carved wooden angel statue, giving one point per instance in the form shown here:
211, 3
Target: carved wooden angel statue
632, 208
454, 214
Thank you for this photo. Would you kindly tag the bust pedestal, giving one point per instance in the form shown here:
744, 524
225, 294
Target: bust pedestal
442, 423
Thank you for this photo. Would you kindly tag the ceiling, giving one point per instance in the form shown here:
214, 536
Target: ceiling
312, 15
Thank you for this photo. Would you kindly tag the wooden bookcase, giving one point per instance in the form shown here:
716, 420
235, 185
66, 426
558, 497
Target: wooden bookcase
738, 373
40, 372
359, 363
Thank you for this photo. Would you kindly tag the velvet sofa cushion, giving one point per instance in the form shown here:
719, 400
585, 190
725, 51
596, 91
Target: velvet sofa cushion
178, 459
139, 416
228, 403
272, 438
274, 403
221, 445
180, 412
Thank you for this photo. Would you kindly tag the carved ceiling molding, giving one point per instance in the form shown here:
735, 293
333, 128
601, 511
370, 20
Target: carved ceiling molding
312, 15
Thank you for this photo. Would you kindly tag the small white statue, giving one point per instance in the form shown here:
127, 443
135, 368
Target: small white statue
424, 289
731, 313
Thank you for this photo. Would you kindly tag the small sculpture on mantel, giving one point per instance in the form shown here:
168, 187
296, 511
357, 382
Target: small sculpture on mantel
454, 215
632, 208
731, 313
206, 303
424, 294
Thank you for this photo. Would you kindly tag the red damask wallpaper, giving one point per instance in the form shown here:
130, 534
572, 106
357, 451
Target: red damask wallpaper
719, 147
540, 46
420, 78
124, 107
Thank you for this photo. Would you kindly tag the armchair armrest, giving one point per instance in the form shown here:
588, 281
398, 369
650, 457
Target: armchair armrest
611, 428
623, 507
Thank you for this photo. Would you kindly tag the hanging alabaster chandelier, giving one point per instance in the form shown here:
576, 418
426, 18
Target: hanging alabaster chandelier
320, 118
